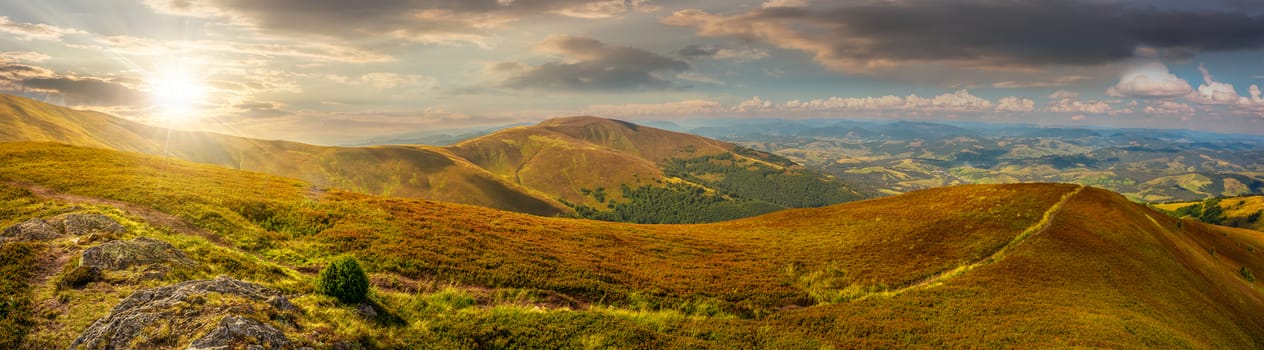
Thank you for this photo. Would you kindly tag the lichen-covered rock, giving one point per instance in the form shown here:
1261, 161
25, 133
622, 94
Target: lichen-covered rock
184, 310
118, 255
153, 272
76, 224
235, 330
31, 230
79, 224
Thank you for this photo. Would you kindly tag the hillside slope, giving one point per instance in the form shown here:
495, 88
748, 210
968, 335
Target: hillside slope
598, 168
1029, 266
1244, 212
613, 170
406, 171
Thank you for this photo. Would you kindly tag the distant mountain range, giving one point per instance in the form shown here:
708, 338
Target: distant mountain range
898, 156
587, 166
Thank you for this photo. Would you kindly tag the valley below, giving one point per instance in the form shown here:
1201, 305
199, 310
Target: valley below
885, 158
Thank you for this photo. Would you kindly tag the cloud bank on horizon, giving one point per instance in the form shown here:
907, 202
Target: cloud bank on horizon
329, 71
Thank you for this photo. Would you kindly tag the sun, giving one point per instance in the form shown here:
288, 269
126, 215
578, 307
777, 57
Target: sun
178, 94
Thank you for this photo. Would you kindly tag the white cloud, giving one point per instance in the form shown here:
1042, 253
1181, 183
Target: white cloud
1064, 94
23, 56
680, 108
785, 3
1059, 81
34, 31
1170, 108
386, 81
699, 78
1016, 104
1070, 103
313, 51
1149, 80
1212, 92
754, 104
741, 54
607, 9
961, 101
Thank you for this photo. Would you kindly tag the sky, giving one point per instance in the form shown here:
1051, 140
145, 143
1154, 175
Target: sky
332, 71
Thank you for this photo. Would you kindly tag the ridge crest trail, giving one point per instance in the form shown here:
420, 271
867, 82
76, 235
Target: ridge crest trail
939, 278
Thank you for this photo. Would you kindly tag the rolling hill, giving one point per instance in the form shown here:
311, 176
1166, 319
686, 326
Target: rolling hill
1244, 212
407, 171
597, 168
621, 171
1026, 265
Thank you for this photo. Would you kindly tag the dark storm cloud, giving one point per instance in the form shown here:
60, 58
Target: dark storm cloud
888, 34
421, 20
594, 66
87, 91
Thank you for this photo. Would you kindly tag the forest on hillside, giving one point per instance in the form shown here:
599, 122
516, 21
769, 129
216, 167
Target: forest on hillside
742, 188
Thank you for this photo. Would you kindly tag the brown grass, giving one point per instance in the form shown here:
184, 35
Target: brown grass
1105, 273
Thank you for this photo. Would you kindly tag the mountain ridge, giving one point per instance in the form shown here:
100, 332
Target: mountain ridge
561, 166
412, 171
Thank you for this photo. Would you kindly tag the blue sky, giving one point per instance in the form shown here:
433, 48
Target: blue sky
327, 71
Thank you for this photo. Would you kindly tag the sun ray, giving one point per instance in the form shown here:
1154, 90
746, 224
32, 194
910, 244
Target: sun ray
177, 93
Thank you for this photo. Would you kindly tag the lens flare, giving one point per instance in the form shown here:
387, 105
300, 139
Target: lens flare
177, 94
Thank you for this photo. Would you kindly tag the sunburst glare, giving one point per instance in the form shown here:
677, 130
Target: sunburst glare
177, 94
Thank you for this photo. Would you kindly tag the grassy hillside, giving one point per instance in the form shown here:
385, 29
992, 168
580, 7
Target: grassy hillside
406, 171
619, 171
1034, 266
554, 168
25, 119
1244, 212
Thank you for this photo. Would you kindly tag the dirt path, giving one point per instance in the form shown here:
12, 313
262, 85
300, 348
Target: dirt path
1039, 227
150, 215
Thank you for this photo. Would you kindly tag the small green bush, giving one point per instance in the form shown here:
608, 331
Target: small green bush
1246, 274
344, 279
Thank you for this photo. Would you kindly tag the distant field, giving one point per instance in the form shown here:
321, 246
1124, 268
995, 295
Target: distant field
1244, 212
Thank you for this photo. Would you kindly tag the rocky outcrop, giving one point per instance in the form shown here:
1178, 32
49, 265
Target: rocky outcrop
235, 329
80, 224
31, 230
183, 310
73, 224
119, 255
